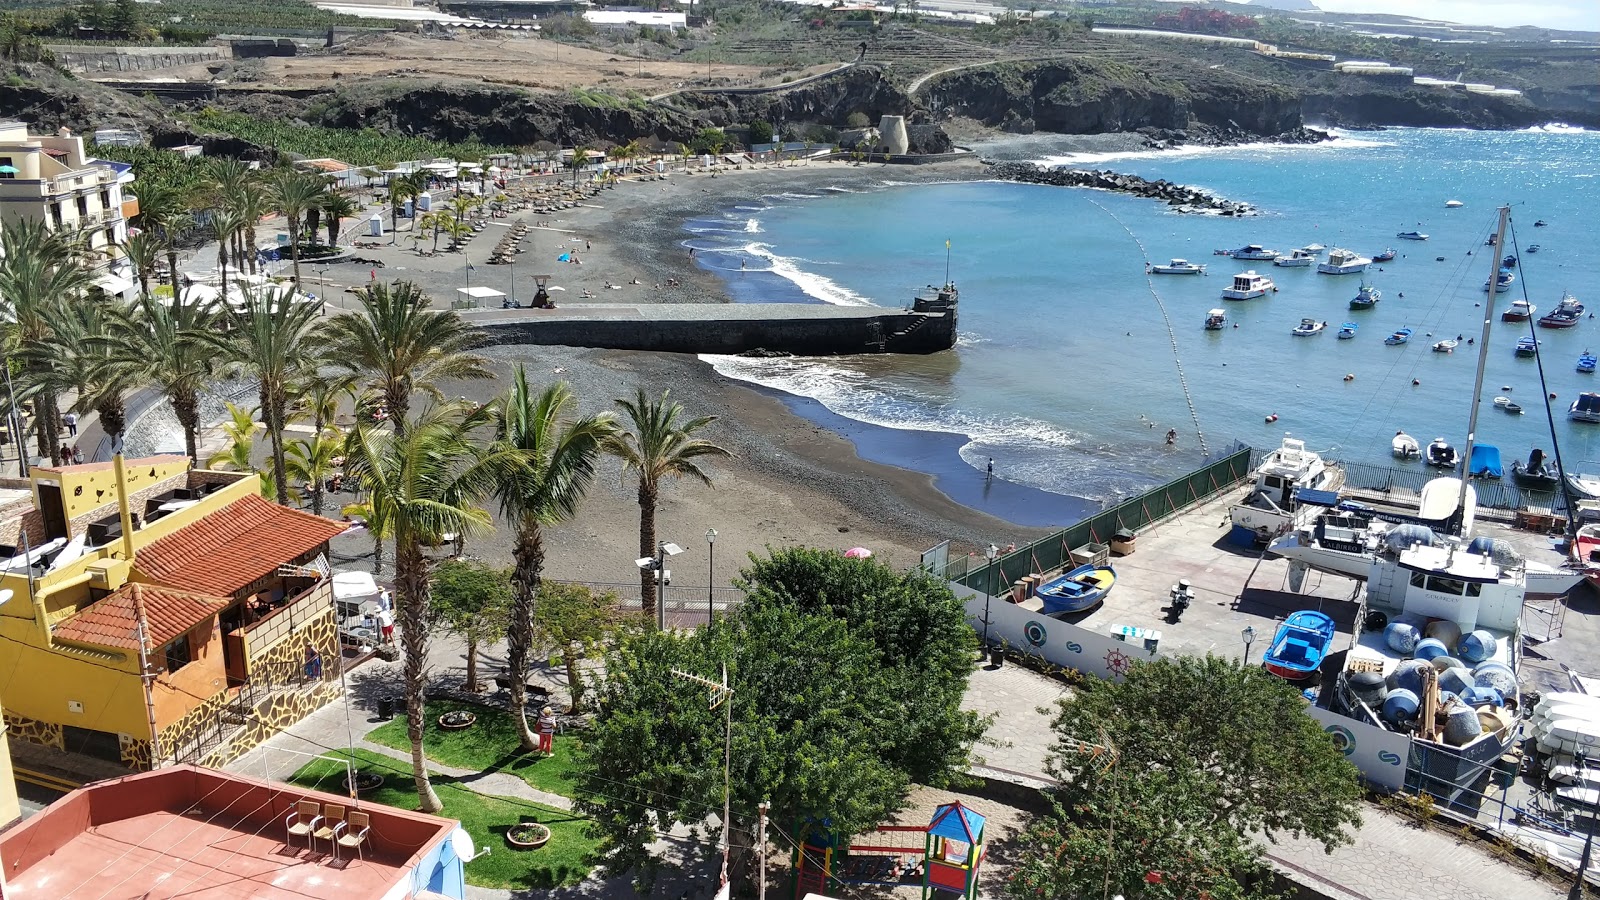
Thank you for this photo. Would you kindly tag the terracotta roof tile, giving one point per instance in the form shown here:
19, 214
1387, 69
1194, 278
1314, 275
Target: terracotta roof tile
113, 621
232, 547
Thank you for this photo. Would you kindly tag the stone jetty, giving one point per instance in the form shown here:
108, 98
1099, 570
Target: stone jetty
1180, 197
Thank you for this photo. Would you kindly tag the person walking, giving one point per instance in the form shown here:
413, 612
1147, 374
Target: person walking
71, 421
546, 729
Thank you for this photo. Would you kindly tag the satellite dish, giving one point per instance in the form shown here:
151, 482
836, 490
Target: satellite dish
461, 842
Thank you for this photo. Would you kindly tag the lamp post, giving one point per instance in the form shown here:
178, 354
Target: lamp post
711, 569
658, 565
1249, 636
989, 553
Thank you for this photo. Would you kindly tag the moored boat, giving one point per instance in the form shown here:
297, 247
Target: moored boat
1366, 298
1441, 455
1586, 408
1565, 315
1527, 346
1314, 248
1510, 262
1502, 281
1253, 251
1537, 473
1347, 331
1445, 346
1308, 327
1586, 363
1176, 267
1584, 485
1077, 590
1404, 446
1343, 262
1485, 462
1453, 204
1300, 645
1216, 320
1386, 255
1296, 259
1249, 285
1411, 236
1399, 337
1518, 311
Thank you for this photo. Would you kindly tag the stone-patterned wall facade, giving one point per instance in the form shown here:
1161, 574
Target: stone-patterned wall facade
135, 752
276, 713
285, 661
191, 730
35, 731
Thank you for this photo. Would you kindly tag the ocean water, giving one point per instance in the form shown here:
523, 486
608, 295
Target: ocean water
1072, 362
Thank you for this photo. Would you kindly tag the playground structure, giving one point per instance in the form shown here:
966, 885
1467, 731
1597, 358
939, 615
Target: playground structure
946, 859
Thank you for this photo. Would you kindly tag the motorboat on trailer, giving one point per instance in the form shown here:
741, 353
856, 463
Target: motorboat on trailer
1343, 262
1216, 320
1347, 331
1586, 408
1077, 590
1308, 327
1538, 473
1296, 259
1441, 455
1248, 285
1518, 311
1404, 446
1411, 236
1271, 507
1565, 315
1176, 267
1366, 298
1300, 645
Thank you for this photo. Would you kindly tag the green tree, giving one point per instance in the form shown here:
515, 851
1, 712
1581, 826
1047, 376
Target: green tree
165, 346
124, 19
578, 623
580, 158
336, 207
709, 140
760, 132
430, 480
474, 601
556, 455
143, 251
240, 430
293, 193
405, 187
1173, 771
79, 354
310, 462
658, 445
164, 209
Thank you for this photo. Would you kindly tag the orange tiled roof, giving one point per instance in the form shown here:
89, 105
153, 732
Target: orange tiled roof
232, 547
114, 620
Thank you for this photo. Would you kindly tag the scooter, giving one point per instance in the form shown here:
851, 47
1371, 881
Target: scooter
1178, 599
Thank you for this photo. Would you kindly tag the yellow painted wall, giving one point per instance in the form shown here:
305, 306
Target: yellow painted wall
87, 488
43, 684
9, 809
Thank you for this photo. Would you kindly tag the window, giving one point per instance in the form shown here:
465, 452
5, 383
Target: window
177, 653
83, 207
8, 169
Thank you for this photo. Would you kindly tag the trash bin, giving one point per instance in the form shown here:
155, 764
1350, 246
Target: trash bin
385, 708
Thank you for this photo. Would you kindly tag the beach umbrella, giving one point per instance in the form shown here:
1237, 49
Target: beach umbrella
565, 257
857, 553
9, 170
555, 287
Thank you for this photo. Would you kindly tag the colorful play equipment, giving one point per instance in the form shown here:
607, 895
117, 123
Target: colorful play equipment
947, 860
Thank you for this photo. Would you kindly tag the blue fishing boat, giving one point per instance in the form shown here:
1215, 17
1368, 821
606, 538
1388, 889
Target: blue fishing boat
1386, 256
1347, 331
1077, 590
1485, 462
1299, 646
1586, 363
1399, 337
1527, 346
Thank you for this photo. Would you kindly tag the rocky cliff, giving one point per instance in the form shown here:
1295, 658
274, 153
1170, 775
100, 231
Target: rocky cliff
1420, 107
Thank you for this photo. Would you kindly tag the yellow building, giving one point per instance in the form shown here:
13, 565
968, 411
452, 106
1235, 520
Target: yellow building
10, 809
53, 180
184, 624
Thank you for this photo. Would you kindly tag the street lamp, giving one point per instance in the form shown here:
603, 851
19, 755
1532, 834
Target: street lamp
1249, 636
658, 565
989, 554
711, 568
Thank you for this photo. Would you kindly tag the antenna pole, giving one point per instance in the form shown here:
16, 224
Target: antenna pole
1483, 358
947, 263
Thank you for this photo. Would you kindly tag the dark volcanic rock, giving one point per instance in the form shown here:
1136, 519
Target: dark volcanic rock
1180, 197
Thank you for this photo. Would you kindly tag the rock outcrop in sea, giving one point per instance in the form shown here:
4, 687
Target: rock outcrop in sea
1180, 197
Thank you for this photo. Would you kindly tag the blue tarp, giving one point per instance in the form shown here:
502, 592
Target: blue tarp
1486, 461
1311, 497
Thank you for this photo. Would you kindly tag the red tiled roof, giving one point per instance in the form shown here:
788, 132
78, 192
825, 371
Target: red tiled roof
232, 547
114, 620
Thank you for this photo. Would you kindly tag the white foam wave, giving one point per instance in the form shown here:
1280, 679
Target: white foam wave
1082, 159
748, 208
818, 287
1556, 128
752, 226
840, 189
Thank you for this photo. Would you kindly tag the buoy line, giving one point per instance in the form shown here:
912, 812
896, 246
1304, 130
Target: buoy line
1172, 336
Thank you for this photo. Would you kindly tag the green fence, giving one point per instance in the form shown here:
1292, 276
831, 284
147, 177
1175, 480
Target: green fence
1133, 514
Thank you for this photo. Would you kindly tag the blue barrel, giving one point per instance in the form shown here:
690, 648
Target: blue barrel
1477, 646
1401, 637
1461, 725
1431, 648
1478, 696
1408, 676
1400, 706
1457, 680
1496, 675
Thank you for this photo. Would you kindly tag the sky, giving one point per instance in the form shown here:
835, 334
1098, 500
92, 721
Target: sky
1576, 15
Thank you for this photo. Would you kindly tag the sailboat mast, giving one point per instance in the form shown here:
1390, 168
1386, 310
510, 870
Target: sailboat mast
1483, 354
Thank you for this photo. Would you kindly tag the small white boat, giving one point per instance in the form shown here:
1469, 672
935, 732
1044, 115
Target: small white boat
1313, 248
1520, 311
1249, 285
1216, 320
1453, 204
1445, 346
1176, 267
1404, 446
1253, 251
1308, 327
1296, 259
1411, 236
1343, 262
1502, 400
1585, 409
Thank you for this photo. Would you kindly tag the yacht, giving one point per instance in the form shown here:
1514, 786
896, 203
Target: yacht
1343, 262
1176, 267
1586, 408
1296, 259
1216, 320
1248, 285
1565, 315
1411, 236
1527, 346
1308, 327
1502, 281
1253, 251
1519, 311
1272, 506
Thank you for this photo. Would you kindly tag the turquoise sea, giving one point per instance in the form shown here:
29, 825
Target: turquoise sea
1067, 372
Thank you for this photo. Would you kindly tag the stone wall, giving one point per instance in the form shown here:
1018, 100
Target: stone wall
91, 60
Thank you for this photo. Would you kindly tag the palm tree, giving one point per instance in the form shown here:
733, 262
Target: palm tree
336, 207
164, 209
143, 251
402, 188
580, 158
398, 346
223, 226
661, 444
319, 393
240, 430
434, 221
271, 339
310, 461
456, 229
40, 274
251, 200
556, 461
293, 194
377, 518
165, 346
80, 354
431, 478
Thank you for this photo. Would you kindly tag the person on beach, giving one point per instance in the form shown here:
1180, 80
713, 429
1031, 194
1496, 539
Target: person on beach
546, 729
990, 473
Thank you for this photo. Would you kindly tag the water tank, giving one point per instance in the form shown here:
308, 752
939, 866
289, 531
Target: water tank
1401, 637
1461, 725
1400, 706
1477, 646
1431, 648
1496, 675
1444, 630
1458, 680
1408, 676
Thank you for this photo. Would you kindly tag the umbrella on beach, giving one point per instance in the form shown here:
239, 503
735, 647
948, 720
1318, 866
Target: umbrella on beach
555, 287
857, 553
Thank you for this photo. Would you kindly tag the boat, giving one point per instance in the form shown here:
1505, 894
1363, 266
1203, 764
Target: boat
1512, 409
1565, 315
1533, 248
1366, 298
1404, 446
1502, 281
1510, 262
1502, 400
1216, 320
1343, 262
1453, 204
1540, 224
1302, 641
1176, 267
1586, 408
1296, 259
1411, 236
1537, 473
1253, 251
1078, 590
1441, 455
1347, 331
1518, 311
1527, 346
1399, 337
1386, 255
1485, 462
1445, 346
1272, 506
1314, 248
1248, 285
1308, 327
1489, 241
1586, 363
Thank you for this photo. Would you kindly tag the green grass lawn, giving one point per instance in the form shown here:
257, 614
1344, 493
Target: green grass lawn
561, 862
490, 745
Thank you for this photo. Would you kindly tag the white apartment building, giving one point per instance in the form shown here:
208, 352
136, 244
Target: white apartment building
50, 178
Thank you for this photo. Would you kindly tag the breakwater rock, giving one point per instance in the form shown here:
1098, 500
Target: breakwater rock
1180, 197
